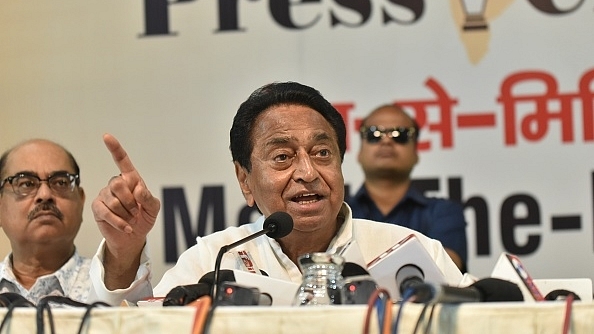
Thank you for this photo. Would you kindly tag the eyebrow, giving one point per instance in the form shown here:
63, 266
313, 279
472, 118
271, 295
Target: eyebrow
32, 173
25, 172
278, 140
321, 136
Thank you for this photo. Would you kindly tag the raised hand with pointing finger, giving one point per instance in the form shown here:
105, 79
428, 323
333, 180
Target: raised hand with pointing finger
125, 211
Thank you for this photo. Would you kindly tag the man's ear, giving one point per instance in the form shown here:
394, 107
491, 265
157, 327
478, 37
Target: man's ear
1, 202
242, 177
81, 193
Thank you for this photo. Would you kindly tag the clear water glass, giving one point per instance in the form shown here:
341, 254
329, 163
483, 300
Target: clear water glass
322, 280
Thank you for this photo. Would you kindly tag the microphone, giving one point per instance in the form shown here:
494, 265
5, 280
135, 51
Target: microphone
277, 225
185, 294
409, 276
358, 284
350, 269
233, 293
498, 290
240, 295
484, 290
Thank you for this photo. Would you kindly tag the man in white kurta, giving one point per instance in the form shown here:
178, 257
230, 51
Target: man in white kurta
288, 143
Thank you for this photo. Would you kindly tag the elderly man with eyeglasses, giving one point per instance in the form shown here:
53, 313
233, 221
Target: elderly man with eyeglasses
387, 155
41, 207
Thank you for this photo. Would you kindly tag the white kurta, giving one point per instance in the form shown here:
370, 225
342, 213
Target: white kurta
373, 238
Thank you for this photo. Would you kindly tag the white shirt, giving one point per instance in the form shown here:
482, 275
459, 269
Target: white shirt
372, 237
71, 280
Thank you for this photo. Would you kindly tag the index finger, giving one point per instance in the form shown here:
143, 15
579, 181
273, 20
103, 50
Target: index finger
119, 155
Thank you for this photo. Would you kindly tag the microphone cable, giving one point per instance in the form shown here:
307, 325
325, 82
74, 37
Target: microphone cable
407, 296
202, 306
44, 306
12, 300
567, 318
85, 318
379, 299
422, 317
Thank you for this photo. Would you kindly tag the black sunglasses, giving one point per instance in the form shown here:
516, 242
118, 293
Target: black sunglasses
401, 135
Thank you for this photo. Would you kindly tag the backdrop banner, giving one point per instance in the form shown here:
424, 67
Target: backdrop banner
503, 90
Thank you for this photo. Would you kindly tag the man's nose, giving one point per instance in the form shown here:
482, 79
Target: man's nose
304, 168
44, 192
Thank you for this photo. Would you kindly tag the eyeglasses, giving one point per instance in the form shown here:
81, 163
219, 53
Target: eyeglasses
27, 184
401, 135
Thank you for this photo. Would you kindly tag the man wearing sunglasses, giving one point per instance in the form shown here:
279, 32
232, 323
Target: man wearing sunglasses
387, 155
41, 206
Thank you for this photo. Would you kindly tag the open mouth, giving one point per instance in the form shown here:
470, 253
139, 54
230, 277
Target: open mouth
307, 198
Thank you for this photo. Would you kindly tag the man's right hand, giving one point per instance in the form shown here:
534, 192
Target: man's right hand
125, 212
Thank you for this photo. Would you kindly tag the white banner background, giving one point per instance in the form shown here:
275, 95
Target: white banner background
73, 70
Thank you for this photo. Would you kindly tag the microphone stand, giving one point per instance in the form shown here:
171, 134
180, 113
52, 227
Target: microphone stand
277, 225
225, 249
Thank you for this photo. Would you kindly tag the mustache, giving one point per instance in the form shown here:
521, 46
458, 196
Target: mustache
46, 206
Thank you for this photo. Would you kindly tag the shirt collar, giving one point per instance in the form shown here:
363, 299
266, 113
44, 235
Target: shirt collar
415, 195
341, 239
6, 270
8, 282
412, 194
345, 231
66, 275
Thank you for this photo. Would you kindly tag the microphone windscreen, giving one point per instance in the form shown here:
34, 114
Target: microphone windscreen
409, 276
498, 290
561, 294
225, 275
185, 294
350, 269
280, 224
